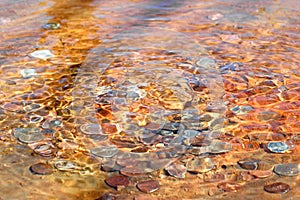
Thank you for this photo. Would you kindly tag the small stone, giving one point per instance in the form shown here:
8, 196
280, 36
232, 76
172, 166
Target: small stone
215, 17
228, 186
41, 169
278, 147
206, 62
176, 170
261, 173
148, 186
117, 181
42, 54
277, 188
220, 147
105, 151
28, 73
289, 169
200, 165
51, 26
132, 171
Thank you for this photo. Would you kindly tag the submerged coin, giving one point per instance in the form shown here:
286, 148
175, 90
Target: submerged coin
289, 169
110, 166
41, 169
277, 188
117, 181
176, 170
261, 173
200, 165
28, 135
278, 147
90, 129
248, 164
148, 186
220, 147
66, 165
132, 171
105, 151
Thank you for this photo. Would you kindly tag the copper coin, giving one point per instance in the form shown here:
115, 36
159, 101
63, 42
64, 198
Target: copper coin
41, 169
115, 181
148, 186
277, 188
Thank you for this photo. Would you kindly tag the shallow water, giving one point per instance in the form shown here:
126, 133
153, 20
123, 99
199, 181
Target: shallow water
144, 87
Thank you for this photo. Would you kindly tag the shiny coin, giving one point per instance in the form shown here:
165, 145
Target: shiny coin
105, 151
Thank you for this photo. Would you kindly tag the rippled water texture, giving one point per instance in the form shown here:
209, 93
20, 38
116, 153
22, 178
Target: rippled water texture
149, 99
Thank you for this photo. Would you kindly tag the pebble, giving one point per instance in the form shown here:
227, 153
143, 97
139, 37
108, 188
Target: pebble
200, 165
117, 181
66, 165
220, 147
228, 186
42, 54
277, 147
289, 169
105, 151
51, 26
277, 188
148, 186
176, 170
41, 169
28, 73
